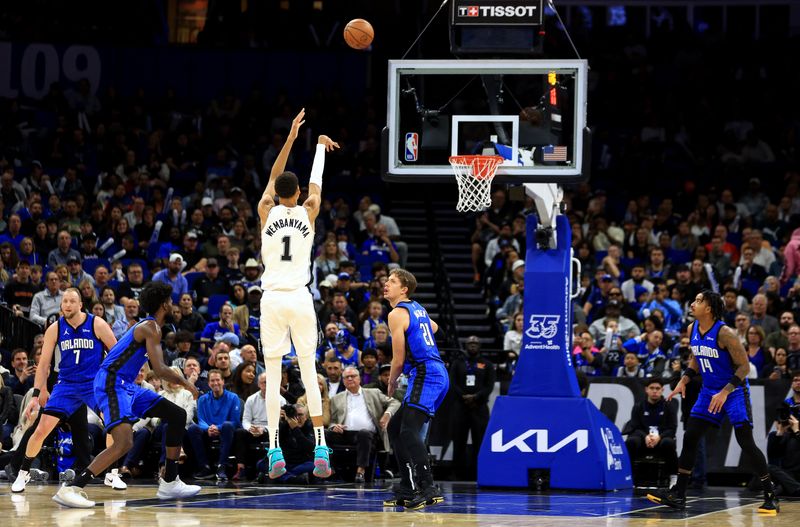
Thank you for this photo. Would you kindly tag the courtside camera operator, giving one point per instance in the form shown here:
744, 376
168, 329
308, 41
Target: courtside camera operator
783, 445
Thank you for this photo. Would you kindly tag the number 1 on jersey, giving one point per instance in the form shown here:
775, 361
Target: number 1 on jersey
705, 365
286, 256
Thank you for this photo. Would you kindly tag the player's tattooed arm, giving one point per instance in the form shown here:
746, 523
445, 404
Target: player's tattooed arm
727, 339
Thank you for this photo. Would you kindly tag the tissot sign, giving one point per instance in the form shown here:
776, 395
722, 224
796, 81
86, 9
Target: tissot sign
497, 12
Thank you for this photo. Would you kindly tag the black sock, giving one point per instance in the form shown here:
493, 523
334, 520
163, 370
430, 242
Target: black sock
83, 479
683, 481
769, 488
26, 464
171, 471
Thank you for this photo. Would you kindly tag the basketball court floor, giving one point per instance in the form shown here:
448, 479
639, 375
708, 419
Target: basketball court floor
342, 505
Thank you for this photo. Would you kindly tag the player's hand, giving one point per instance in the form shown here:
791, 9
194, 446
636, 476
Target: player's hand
718, 401
337, 429
297, 122
44, 395
384, 422
391, 388
680, 389
193, 389
31, 409
329, 143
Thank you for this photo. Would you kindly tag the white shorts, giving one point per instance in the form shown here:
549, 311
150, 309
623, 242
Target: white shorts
288, 317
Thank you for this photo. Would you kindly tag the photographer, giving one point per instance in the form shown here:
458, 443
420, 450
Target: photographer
297, 441
783, 445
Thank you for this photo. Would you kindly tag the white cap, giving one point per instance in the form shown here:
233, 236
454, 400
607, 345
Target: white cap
206, 201
517, 264
374, 208
175, 257
251, 262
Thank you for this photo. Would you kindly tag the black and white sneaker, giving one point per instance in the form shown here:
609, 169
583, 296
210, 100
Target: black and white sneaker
670, 498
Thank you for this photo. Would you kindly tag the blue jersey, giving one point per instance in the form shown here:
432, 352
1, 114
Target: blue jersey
78, 352
127, 356
716, 365
420, 344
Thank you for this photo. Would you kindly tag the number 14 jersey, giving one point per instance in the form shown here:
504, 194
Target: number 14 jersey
715, 363
287, 240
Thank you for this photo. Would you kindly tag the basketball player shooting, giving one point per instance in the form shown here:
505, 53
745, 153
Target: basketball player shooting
287, 307
718, 355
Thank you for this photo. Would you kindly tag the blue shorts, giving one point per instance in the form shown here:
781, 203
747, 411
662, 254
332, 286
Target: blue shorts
121, 401
737, 407
67, 398
428, 383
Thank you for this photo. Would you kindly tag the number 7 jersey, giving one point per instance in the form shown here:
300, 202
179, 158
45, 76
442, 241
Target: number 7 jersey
287, 240
716, 365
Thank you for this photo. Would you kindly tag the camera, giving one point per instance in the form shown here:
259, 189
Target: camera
289, 411
785, 411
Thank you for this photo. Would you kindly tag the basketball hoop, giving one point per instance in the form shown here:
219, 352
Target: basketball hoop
474, 175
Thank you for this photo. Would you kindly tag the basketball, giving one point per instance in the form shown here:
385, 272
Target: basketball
358, 33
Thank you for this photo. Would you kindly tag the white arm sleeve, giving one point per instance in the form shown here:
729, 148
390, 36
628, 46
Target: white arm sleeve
318, 167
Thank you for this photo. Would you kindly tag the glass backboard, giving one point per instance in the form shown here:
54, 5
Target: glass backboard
531, 112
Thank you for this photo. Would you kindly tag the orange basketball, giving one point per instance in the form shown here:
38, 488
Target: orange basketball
358, 33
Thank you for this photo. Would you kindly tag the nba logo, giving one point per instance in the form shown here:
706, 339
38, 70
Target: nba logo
412, 140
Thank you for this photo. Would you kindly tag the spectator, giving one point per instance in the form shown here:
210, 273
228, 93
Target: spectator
358, 416
113, 311
631, 367
254, 425
23, 370
340, 313
215, 330
780, 338
131, 317
20, 290
760, 316
63, 252
378, 245
652, 427
172, 275
637, 278
380, 339
210, 284
369, 367
333, 369
755, 350
8, 416
793, 351
586, 356
345, 351
222, 362
192, 371
613, 310
669, 308
472, 379
133, 286
218, 417
243, 383
647, 348
48, 301
191, 321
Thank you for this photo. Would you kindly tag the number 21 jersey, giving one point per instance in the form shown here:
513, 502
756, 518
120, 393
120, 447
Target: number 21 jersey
287, 240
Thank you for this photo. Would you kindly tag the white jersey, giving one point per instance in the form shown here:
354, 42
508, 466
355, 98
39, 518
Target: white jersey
287, 240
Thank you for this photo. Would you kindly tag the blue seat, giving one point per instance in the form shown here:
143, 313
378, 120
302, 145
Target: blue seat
679, 257
599, 255
89, 266
215, 303
176, 297
751, 286
191, 278
364, 264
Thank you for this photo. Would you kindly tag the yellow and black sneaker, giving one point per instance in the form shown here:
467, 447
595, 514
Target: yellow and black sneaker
770, 505
400, 498
430, 496
670, 498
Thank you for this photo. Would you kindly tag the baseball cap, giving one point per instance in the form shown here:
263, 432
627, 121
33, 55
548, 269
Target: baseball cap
251, 262
254, 289
344, 276
175, 257
374, 208
473, 339
607, 278
385, 367
682, 267
191, 235
516, 265
754, 181
613, 302
206, 201
212, 262
237, 189
90, 236
73, 258
36, 163
503, 243
639, 290
325, 283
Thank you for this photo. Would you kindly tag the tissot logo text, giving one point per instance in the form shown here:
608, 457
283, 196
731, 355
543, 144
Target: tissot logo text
497, 11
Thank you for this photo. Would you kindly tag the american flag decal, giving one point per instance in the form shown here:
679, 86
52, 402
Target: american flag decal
554, 153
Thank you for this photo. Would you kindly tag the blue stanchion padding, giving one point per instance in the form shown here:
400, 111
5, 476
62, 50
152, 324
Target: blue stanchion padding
544, 367
569, 437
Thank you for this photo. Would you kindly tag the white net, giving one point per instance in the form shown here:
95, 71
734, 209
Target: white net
474, 175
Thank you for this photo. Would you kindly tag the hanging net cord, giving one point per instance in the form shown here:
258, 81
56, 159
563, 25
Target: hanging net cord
474, 175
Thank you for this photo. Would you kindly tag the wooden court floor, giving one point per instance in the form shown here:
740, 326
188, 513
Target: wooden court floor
346, 505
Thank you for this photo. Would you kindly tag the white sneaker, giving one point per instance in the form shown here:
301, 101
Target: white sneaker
174, 490
114, 481
23, 477
73, 497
